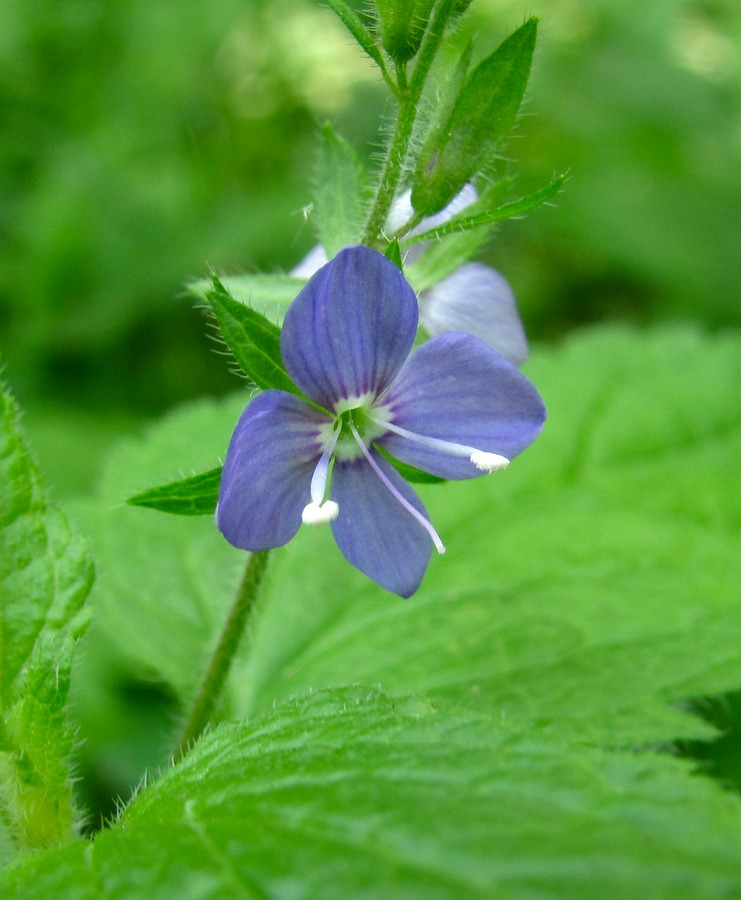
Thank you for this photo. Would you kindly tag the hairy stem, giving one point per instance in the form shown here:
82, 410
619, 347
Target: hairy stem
392, 169
409, 92
213, 682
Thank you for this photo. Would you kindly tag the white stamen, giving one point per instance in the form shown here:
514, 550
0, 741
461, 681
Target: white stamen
489, 462
428, 527
482, 459
320, 513
318, 488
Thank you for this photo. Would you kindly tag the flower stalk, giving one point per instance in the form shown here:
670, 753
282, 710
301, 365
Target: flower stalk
393, 167
220, 665
409, 91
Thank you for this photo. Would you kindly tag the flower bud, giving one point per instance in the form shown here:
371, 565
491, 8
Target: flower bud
402, 26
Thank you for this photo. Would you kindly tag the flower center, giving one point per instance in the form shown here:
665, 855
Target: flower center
368, 423
352, 416
356, 425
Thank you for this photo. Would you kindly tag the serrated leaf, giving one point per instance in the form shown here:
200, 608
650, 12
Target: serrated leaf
339, 193
194, 496
253, 340
566, 597
45, 575
44, 571
164, 582
482, 117
352, 794
270, 295
587, 593
587, 588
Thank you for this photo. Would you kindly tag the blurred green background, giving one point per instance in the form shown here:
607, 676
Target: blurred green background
143, 142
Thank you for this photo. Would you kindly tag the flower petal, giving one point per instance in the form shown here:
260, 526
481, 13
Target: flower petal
456, 388
351, 327
267, 471
373, 531
476, 299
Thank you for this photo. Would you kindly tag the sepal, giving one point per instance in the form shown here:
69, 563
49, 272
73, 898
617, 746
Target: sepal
253, 340
269, 294
194, 496
393, 252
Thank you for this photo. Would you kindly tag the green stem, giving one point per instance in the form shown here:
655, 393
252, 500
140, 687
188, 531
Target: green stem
221, 661
409, 93
392, 169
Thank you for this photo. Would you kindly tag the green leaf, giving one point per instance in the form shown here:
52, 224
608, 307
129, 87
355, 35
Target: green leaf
194, 496
340, 188
393, 252
481, 118
45, 575
270, 295
253, 340
587, 594
164, 583
353, 794
447, 90
591, 588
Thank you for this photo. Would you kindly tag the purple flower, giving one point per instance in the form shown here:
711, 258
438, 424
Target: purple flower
474, 298
453, 407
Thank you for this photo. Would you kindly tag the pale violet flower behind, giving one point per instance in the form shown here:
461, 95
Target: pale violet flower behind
474, 298
453, 407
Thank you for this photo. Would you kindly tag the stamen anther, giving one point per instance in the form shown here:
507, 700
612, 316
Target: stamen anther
489, 462
320, 513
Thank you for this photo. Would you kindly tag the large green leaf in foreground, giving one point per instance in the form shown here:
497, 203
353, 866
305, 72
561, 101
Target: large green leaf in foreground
587, 594
591, 588
164, 582
350, 794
